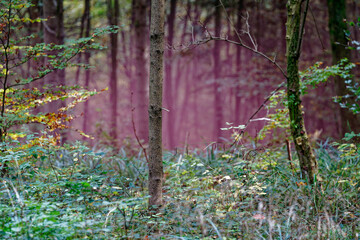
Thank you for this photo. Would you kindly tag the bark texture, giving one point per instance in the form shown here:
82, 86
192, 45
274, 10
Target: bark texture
308, 163
155, 104
337, 28
141, 31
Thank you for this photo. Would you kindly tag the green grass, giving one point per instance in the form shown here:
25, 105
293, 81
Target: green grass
75, 193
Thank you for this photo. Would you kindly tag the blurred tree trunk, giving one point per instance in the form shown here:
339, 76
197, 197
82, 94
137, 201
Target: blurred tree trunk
113, 18
82, 29
140, 26
170, 124
238, 64
87, 56
308, 163
155, 104
54, 33
34, 28
217, 69
337, 28
35, 11
179, 72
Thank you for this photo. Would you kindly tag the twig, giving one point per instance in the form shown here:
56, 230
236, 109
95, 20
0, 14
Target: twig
256, 112
211, 38
108, 214
302, 29
232, 25
134, 128
215, 228
317, 29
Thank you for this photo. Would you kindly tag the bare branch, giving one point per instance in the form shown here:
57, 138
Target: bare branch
273, 61
242, 131
254, 49
52, 32
134, 129
317, 29
302, 28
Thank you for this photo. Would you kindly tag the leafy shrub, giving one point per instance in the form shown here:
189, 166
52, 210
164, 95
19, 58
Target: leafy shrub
278, 113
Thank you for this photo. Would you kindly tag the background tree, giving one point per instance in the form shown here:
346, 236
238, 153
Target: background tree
238, 63
87, 55
54, 34
113, 18
141, 82
337, 30
169, 78
243, 84
218, 112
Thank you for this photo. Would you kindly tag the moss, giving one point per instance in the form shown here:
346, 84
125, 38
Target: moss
308, 163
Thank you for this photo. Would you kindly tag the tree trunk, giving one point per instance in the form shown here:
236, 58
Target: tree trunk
238, 66
87, 56
337, 28
308, 163
141, 121
218, 116
54, 33
170, 126
113, 18
155, 103
34, 28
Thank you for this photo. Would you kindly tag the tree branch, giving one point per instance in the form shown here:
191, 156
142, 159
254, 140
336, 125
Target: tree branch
134, 129
302, 29
273, 61
257, 111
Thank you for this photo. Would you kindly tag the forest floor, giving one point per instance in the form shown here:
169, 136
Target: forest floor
72, 192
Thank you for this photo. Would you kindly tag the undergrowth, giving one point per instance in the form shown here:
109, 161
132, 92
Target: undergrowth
74, 192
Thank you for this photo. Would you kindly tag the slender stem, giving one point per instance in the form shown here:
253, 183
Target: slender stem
242, 131
6, 47
302, 28
317, 29
134, 129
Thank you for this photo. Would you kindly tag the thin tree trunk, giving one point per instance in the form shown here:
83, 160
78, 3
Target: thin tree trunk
337, 28
238, 65
54, 33
217, 99
155, 105
36, 29
87, 56
113, 17
82, 27
308, 163
140, 70
51, 32
170, 124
